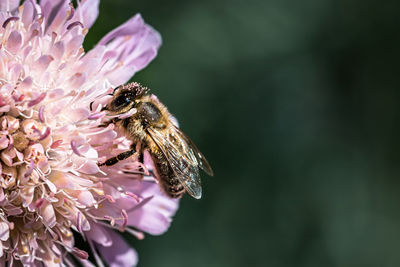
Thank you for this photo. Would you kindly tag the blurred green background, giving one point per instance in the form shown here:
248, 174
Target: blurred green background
294, 103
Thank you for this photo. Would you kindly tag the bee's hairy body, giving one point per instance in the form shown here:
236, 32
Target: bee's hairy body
176, 159
135, 128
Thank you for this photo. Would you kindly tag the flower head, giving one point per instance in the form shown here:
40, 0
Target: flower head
51, 188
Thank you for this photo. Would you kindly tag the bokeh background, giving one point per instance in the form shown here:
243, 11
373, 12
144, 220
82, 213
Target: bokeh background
295, 104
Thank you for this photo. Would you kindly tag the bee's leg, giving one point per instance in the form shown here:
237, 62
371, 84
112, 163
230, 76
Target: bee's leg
119, 157
113, 120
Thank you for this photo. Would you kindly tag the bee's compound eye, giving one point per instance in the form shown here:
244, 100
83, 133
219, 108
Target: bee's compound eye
121, 101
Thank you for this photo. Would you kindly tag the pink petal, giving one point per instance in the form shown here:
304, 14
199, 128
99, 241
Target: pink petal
84, 224
28, 14
86, 198
15, 71
4, 231
58, 50
14, 211
5, 108
131, 27
4, 141
74, 44
26, 83
47, 6
100, 235
9, 5
43, 62
90, 66
55, 13
135, 44
1, 195
87, 151
148, 162
49, 217
77, 79
120, 254
89, 167
27, 195
155, 216
14, 42
103, 137
64, 180
87, 12
7, 157
51, 186
56, 93
78, 114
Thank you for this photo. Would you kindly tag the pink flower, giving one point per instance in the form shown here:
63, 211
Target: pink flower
51, 187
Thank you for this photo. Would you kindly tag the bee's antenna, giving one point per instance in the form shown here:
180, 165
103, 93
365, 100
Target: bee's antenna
91, 106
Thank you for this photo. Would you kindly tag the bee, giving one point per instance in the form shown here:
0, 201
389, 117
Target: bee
177, 159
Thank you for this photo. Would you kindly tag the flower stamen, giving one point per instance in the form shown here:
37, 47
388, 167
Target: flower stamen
5, 23
37, 100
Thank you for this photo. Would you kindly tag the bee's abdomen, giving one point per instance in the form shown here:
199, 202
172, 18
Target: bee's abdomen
168, 181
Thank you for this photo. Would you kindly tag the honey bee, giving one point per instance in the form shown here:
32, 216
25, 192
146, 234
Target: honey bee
177, 159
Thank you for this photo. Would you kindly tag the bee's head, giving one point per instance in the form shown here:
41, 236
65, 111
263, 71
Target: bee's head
124, 98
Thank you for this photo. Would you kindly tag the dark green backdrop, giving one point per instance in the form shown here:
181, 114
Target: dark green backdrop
295, 104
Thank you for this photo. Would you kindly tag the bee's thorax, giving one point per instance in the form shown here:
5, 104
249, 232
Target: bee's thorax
148, 112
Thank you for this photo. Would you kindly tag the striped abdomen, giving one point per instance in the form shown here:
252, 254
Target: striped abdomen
169, 182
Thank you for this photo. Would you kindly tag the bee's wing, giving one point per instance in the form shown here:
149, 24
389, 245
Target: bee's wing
180, 157
195, 152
